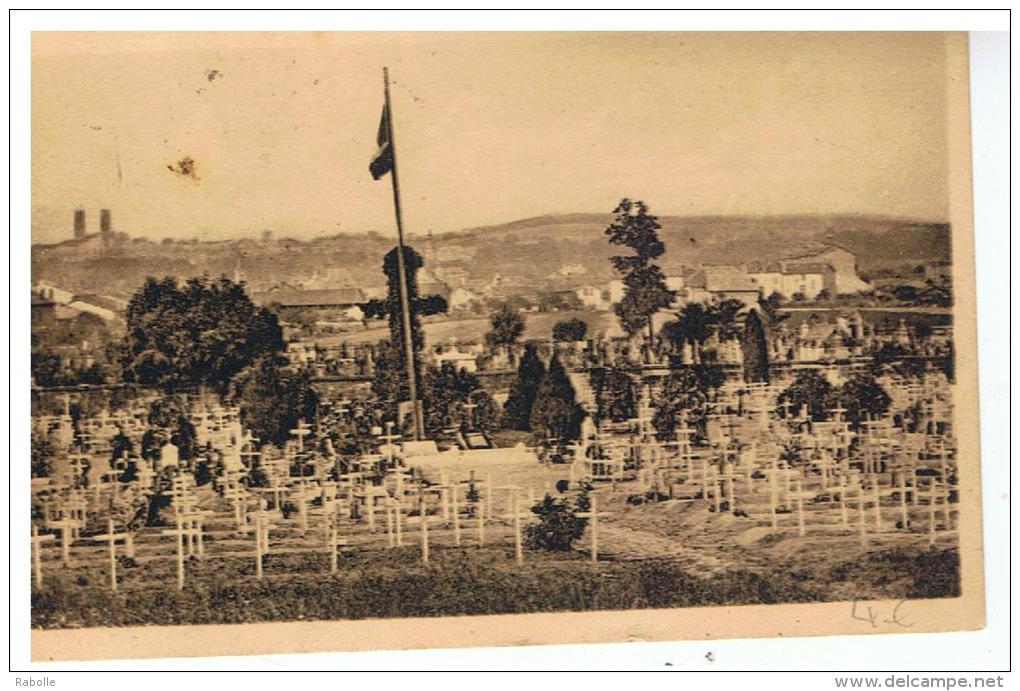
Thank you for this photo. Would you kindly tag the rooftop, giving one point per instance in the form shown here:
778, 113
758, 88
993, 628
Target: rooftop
337, 297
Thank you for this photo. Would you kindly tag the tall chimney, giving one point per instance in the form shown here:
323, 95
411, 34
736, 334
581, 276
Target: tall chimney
79, 223
105, 226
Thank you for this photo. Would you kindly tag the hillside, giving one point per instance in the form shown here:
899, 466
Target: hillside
532, 253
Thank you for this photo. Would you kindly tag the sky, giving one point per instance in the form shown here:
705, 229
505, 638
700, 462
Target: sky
489, 128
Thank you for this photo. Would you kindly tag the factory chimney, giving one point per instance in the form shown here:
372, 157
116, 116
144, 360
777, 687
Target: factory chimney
79, 224
105, 225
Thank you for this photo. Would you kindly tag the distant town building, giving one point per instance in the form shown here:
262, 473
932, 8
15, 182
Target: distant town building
47, 291
571, 270
788, 280
453, 275
90, 305
594, 297
720, 282
51, 303
461, 298
334, 305
832, 269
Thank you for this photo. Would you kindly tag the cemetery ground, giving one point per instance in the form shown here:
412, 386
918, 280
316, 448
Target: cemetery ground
664, 554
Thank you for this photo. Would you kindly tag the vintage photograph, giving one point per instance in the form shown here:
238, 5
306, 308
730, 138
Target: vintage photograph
358, 327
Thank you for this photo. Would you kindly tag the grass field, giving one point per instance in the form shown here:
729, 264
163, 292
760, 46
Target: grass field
393, 583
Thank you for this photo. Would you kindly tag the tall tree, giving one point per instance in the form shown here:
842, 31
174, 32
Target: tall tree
812, 391
755, 349
555, 413
646, 292
273, 399
199, 334
517, 410
861, 395
507, 327
391, 267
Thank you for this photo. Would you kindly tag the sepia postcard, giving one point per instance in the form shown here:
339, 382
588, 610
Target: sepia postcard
358, 341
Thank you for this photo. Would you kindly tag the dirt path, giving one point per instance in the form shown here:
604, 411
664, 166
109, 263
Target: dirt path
622, 542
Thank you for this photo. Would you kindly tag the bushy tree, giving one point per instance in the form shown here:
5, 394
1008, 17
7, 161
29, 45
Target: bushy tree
558, 526
696, 322
812, 390
614, 394
46, 370
645, 285
861, 395
688, 391
724, 317
507, 327
199, 334
445, 391
517, 411
555, 413
570, 330
693, 325
273, 398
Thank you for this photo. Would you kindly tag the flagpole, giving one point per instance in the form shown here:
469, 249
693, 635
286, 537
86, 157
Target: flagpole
405, 309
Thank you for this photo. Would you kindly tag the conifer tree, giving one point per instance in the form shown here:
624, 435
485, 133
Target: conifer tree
646, 291
555, 413
756, 352
517, 411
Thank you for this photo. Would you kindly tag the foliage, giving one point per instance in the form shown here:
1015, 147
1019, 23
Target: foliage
723, 317
374, 308
507, 327
812, 390
570, 330
755, 349
42, 457
445, 390
614, 394
696, 322
46, 369
558, 525
396, 358
645, 284
393, 583
558, 301
933, 293
688, 390
862, 396
530, 371
169, 421
692, 325
273, 399
389, 379
774, 301
201, 333
555, 413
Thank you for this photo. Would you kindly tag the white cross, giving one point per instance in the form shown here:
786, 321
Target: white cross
111, 539
593, 515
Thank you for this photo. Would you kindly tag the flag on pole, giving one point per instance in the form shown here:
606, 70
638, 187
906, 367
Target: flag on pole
382, 162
